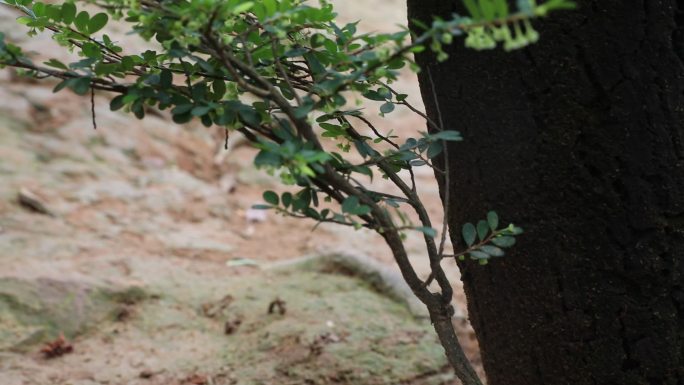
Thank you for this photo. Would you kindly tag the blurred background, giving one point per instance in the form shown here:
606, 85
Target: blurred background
136, 241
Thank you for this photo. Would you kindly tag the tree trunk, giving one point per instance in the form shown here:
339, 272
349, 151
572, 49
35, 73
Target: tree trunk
580, 140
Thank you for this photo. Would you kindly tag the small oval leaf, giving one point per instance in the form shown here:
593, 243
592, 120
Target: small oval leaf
493, 251
469, 233
68, 13
479, 255
504, 241
271, 197
387, 108
482, 230
429, 231
97, 22
350, 204
493, 220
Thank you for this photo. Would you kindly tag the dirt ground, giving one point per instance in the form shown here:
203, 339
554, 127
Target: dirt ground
155, 205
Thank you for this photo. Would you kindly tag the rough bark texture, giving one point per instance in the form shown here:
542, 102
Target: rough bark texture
580, 140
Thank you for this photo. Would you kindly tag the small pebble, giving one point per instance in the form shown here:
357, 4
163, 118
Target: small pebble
254, 215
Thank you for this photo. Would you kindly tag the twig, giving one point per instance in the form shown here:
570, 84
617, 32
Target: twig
445, 199
92, 107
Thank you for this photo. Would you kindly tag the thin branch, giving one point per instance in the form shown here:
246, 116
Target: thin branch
283, 73
92, 107
447, 197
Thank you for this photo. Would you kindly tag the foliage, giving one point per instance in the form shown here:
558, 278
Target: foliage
282, 72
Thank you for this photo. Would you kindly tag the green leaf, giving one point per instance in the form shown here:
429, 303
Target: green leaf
387, 108
60, 86
374, 95
287, 199
200, 110
271, 7
312, 213
91, 50
503, 241
97, 22
429, 231
501, 8
80, 86
453, 136
24, 20
182, 109
350, 204
514, 230
482, 230
165, 78
68, 13
488, 10
493, 220
39, 9
219, 87
267, 158
469, 233
434, 150
250, 116
117, 103
81, 21
56, 64
271, 197
473, 9
361, 210
243, 7
479, 255
492, 250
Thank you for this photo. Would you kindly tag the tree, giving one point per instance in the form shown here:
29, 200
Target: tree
579, 138
275, 71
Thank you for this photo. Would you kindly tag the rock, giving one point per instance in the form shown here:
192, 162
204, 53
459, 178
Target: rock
184, 182
31, 201
153, 162
378, 276
227, 183
117, 189
256, 215
335, 326
194, 242
40, 310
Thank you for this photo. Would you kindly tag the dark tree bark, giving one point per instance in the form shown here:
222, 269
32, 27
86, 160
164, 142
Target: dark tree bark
580, 140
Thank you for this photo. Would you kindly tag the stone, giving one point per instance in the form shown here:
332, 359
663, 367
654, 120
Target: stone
39, 310
190, 241
33, 202
380, 277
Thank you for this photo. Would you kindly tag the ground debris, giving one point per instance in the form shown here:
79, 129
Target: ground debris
57, 348
277, 305
316, 347
231, 326
212, 309
196, 379
149, 373
33, 202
